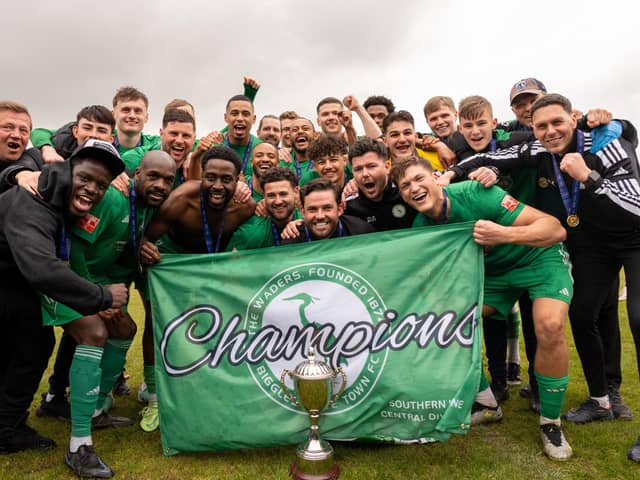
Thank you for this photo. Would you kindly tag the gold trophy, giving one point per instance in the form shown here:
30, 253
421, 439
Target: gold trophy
312, 380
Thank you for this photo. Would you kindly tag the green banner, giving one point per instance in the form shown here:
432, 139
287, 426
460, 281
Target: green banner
397, 310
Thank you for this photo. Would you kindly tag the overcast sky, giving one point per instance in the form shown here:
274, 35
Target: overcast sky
60, 56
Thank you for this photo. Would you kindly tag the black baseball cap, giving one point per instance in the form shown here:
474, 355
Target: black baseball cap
101, 151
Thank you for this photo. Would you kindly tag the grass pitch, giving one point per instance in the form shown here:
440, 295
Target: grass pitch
510, 449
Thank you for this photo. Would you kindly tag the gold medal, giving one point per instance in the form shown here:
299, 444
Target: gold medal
543, 182
573, 220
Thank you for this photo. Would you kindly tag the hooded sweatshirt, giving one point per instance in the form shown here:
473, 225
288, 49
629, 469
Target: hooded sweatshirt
30, 234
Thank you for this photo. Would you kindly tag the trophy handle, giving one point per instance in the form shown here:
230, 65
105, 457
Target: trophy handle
344, 384
286, 391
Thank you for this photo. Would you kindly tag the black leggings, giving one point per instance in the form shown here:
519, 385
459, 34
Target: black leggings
25, 348
597, 336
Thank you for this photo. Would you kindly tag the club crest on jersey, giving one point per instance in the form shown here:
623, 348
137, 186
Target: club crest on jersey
88, 223
509, 203
398, 210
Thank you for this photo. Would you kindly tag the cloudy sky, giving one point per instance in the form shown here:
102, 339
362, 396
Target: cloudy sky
60, 56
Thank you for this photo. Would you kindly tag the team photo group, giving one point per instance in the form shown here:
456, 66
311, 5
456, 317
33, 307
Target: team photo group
541, 215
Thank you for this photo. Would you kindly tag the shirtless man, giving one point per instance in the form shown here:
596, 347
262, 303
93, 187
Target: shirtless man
200, 216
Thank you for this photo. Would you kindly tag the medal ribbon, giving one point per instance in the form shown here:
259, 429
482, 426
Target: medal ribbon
247, 152
569, 200
136, 234
206, 231
296, 164
277, 240
64, 250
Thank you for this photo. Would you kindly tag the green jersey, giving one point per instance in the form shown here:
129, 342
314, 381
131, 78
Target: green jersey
131, 157
101, 242
257, 232
101, 250
245, 156
521, 183
469, 201
43, 136
312, 175
297, 167
146, 143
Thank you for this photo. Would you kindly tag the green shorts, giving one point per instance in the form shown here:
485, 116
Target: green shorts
56, 314
547, 276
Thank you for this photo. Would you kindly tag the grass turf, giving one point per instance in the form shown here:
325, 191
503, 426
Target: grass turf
510, 449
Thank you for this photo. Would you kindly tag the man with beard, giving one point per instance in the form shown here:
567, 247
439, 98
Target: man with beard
269, 130
322, 214
200, 216
177, 140
34, 255
264, 157
177, 136
280, 187
302, 134
377, 200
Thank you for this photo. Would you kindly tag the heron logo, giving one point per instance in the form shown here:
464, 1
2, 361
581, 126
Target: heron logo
334, 306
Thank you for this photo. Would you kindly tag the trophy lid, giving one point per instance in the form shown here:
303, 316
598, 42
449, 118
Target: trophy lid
312, 369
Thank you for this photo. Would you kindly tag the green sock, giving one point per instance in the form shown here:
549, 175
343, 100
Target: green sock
115, 354
150, 378
84, 385
484, 383
552, 392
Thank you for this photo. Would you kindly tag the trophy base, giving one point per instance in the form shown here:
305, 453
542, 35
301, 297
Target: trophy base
297, 474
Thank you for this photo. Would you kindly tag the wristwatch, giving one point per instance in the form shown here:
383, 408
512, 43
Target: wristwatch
593, 181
